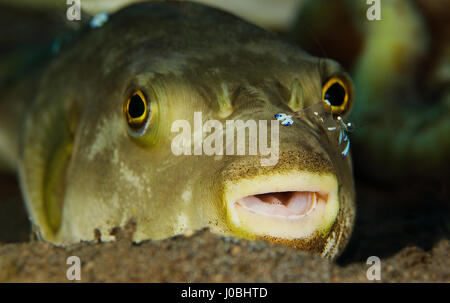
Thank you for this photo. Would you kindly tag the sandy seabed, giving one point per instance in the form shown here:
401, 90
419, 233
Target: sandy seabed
408, 231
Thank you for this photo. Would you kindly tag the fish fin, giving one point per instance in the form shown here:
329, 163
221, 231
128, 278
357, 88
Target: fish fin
46, 154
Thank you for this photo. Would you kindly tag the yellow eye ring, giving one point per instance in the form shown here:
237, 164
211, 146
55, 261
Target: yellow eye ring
337, 95
136, 110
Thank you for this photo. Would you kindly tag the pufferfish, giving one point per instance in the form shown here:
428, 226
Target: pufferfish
90, 133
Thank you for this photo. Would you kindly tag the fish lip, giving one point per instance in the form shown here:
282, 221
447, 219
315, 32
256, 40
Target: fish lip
244, 222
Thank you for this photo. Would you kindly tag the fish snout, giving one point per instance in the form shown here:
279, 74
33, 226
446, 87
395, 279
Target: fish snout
294, 201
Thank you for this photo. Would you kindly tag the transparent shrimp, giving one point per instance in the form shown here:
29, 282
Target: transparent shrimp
336, 128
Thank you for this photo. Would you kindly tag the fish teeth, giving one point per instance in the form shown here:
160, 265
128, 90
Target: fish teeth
312, 201
313, 204
293, 209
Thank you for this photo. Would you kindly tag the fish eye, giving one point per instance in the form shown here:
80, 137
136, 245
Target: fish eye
337, 94
137, 110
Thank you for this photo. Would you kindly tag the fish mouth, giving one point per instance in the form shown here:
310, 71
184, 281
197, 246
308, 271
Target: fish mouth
289, 206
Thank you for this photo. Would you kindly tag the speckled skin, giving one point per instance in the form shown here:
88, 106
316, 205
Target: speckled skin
81, 173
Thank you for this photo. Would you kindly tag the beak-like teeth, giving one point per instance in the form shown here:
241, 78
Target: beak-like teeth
313, 205
286, 205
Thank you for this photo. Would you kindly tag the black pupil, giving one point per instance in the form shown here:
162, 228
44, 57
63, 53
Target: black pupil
136, 108
335, 94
